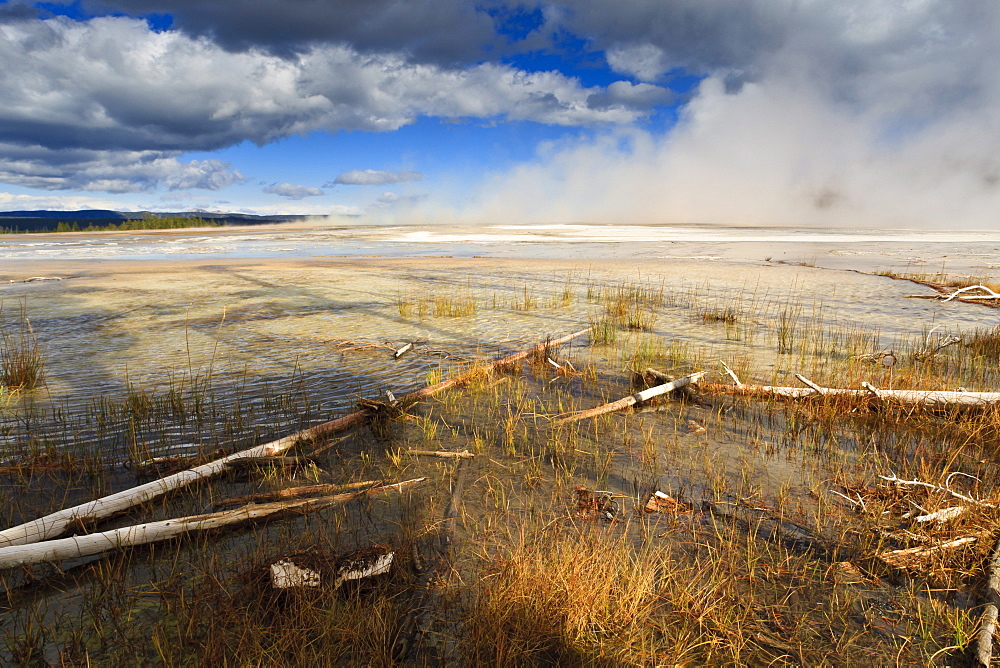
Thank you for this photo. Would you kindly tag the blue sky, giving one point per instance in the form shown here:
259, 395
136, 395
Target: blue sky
735, 111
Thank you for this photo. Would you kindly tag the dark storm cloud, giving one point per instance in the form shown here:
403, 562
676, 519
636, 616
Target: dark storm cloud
438, 31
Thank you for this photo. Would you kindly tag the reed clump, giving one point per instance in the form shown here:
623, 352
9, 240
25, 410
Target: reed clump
21, 362
566, 598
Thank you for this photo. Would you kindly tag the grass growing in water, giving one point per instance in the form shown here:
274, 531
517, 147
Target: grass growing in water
538, 583
21, 363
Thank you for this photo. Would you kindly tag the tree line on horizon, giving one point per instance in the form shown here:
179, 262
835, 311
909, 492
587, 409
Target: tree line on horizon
145, 223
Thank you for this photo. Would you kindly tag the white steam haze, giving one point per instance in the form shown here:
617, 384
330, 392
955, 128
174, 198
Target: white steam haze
866, 114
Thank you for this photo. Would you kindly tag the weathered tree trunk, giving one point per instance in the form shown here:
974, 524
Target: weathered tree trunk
988, 624
152, 532
917, 397
296, 492
637, 398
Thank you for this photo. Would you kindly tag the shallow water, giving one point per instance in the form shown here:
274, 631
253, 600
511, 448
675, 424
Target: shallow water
260, 341
153, 326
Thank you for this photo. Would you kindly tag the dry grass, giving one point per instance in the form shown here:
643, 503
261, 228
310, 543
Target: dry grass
530, 582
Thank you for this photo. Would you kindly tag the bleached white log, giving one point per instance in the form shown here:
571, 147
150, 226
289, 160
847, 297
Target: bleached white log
920, 397
402, 351
988, 623
285, 575
730, 373
942, 515
989, 293
637, 398
364, 569
906, 557
153, 532
920, 483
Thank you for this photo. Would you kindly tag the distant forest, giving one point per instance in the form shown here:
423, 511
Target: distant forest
151, 223
97, 220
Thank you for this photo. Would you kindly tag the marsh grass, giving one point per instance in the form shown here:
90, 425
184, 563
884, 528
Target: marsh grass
460, 304
531, 581
21, 362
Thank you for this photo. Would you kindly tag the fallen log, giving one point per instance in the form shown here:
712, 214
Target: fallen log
988, 623
687, 392
153, 532
632, 400
938, 488
513, 358
915, 397
445, 454
912, 557
56, 523
295, 492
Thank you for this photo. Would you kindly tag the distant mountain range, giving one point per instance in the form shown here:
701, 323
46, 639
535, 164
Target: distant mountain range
45, 220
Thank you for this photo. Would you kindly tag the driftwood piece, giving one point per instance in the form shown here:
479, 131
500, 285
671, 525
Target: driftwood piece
444, 454
513, 358
913, 557
632, 400
296, 492
989, 293
938, 488
988, 623
916, 397
56, 523
687, 391
285, 574
152, 532
729, 372
940, 516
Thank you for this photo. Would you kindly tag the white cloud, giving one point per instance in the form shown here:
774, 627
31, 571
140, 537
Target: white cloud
113, 87
645, 62
109, 171
20, 202
375, 177
293, 191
